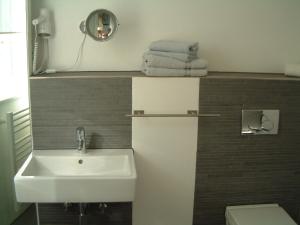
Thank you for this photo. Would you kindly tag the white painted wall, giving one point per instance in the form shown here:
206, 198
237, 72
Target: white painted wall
165, 150
234, 35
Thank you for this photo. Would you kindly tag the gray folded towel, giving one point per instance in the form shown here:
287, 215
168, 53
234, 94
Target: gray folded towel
152, 71
184, 57
165, 62
174, 46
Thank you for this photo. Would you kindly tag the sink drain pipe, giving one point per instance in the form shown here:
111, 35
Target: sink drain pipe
82, 213
37, 214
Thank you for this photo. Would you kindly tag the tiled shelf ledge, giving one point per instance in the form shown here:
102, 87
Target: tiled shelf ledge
89, 74
129, 74
251, 76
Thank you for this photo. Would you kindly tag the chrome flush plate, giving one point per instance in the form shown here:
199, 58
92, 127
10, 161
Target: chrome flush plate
260, 122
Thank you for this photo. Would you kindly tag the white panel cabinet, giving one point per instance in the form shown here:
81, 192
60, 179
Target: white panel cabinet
165, 150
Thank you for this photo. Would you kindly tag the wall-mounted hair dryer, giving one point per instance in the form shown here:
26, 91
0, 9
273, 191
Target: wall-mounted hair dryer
43, 22
43, 29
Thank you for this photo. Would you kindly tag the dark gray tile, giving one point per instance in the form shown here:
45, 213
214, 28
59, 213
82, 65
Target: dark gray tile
98, 104
251, 93
27, 218
58, 106
115, 214
234, 169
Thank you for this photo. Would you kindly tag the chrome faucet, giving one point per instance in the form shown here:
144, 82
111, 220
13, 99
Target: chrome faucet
80, 135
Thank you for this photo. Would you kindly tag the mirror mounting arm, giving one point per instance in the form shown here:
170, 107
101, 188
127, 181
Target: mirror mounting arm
82, 27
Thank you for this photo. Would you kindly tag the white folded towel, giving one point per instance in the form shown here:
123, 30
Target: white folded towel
292, 70
152, 71
166, 62
184, 57
174, 46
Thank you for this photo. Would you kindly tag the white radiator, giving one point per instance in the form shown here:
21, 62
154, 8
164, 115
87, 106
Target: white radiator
19, 133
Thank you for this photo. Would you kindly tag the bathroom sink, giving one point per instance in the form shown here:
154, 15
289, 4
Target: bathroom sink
100, 175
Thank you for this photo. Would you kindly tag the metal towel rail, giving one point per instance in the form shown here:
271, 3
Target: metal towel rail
190, 113
18, 125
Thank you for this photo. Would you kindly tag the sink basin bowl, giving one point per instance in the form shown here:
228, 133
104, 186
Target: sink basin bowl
100, 175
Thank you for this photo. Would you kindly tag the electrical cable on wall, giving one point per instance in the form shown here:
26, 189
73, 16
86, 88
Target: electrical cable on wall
43, 29
105, 28
78, 58
35, 50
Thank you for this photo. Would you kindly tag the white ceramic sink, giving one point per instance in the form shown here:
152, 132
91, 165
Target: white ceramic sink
100, 175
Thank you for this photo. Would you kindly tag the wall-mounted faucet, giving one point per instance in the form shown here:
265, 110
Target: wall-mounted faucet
80, 136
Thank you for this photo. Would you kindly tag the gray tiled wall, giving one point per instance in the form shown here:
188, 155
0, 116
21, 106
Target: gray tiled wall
59, 105
231, 169
234, 169
114, 214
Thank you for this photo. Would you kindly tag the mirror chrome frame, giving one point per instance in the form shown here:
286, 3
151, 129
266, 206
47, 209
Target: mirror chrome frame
85, 29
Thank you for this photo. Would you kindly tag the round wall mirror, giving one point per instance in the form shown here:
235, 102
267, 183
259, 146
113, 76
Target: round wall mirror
100, 25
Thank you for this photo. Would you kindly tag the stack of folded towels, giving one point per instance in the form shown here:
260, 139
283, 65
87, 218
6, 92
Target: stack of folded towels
173, 58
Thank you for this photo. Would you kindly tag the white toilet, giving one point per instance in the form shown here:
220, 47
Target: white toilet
266, 214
